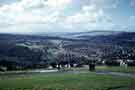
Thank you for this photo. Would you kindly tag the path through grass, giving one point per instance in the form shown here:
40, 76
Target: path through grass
116, 69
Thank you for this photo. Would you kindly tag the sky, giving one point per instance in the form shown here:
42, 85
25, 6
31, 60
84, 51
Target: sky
34, 16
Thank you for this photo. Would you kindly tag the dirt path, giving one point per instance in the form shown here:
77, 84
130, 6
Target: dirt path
67, 71
116, 73
132, 87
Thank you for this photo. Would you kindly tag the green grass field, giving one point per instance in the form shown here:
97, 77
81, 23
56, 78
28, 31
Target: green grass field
67, 81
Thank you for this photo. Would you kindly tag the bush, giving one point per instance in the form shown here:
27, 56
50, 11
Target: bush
112, 63
131, 63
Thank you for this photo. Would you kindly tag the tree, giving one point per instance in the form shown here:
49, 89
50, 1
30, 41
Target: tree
91, 61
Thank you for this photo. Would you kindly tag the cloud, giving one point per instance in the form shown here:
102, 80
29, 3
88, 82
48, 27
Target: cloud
88, 14
27, 12
132, 3
58, 3
49, 15
131, 21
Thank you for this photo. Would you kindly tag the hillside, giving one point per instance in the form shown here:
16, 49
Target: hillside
37, 51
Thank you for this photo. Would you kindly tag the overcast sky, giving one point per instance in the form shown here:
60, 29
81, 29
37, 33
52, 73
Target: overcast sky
66, 15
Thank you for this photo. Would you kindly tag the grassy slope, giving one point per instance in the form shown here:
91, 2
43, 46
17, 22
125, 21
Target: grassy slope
85, 81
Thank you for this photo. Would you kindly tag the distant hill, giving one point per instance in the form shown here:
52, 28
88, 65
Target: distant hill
28, 51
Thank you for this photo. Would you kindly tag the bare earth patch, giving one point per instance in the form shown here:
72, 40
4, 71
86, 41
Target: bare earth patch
132, 87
